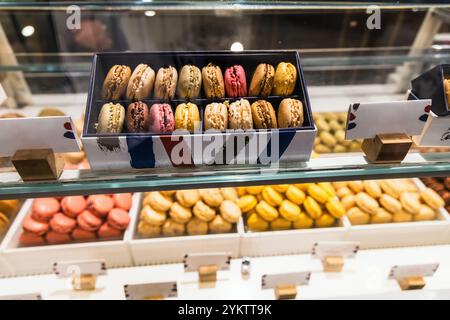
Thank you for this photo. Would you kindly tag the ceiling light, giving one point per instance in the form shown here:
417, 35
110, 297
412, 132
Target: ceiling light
237, 46
150, 13
28, 31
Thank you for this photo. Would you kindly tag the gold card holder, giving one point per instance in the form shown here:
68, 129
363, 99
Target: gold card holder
208, 273
285, 292
285, 285
411, 283
333, 263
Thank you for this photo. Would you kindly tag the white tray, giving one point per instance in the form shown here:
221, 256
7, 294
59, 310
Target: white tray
287, 242
172, 249
40, 259
403, 234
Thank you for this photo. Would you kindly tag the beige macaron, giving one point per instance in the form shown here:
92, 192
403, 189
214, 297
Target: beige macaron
157, 201
196, 226
153, 217
212, 197
203, 212
290, 113
179, 213
230, 211
172, 228
219, 225
187, 198
366, 203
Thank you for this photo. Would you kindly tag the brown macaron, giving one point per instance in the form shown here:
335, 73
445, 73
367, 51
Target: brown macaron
116, 82
213, 84
137, 117
290, 113
166, 83
263, 115
141, 83
262, 80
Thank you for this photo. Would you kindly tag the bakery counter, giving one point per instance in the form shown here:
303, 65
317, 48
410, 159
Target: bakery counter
364, 277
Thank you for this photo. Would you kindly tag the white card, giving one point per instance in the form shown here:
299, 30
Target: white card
193, 261
366, 120
271, 281
346, 249
56, 133
2, 94
436, 132
68, 268
413, 270
24, 296
147, 290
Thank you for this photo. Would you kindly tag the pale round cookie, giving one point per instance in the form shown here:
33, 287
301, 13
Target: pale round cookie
212, 197
230, 211
179, 213
172, 228
390, 203
153, 217
187, 198
168, 193
203, 212
229, 194
157, 201
425, 213
148, 230
402, 216
410, 202
195, 226
219, 225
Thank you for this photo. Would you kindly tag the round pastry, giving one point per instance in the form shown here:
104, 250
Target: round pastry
389, 187
335, 208
271, 196
157, 201
215, 117
172, 228
240, 115
289, 210
425, 213
79, 234
196, 226
188, 198
372, 188
153, 217
290, 113
53, 237
118, 218
148, 230
165, 83
168, 193
303, 222
348, 201
366, 203
45, 208
34, 226
122, 200
262, 81
111, 118
203, 212
402, 216
230, 211
219, 225
62, 224
241, 191
213, 83
31, 239
229, 194
100, 205
74, 157
312, 208
187, 117
106, 231
328, 139
116, 82
266, 211
72, 206
256, 223
382, 216
280, 224
390, 203
339, 184
247, 203
89, 221
137, 118
284, 79
431, 198
51, 112
410, 202
141, 83
189, 82
263, 115
212, 197
318, 193
254, 190
280, 187
179, 213
9, 207
344, 191
324, 221
295, 195
357, 216
4, 222
356, 186
161, 118
328, 188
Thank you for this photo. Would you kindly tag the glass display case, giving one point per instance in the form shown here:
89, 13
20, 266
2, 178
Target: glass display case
349, 53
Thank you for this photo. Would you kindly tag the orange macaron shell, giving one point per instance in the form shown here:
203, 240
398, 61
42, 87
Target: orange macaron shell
100, 204
118, 218
61, 223
79, 234
44, 208
53, 237
34, 226
72, 206
88, 221
122, 200
31, 239
108, 232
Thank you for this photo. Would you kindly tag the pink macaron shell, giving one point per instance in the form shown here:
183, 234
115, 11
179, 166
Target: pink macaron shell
72, 206
122, 200
45, 208
235, 82
89, 221
100, 205
34, 226
31, 239
108, 232
119, 218
62, 224
161, 118
79, 234
53, 237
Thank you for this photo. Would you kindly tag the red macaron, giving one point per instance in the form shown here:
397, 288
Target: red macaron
235, 82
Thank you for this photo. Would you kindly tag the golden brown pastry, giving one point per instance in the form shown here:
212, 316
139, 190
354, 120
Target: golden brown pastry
148, 230
172, 228
219, 225
357, 216
229, 194
366, 203
157, 201
196, 226
230, 211
179, 213
187, 198
203, 212
212, 197
153, 217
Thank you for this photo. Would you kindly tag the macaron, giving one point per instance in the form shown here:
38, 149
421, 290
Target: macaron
31, 239
290, 113
89, 221
166, 83
235, 82
263, 115
285, 79
122, 200
100, 204
187, 117
213, 83
111, 118
116, 82
141, 83
34, 226
161, 118
189, 82
215, 116
72, 206
45, 208
62, 224
106, 231
53, 237
138, 117
79, 234
118, 218
240, 115
262, 80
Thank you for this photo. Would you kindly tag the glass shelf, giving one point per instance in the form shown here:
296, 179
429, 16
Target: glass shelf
345, 167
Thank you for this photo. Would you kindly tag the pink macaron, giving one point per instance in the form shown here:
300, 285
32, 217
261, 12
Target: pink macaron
100, 205
122, 200
34, 226
161, 118
62, 224
72, 206
235, 82
108, 232
79, 234
31, 239
118, 218
45, 208
89, 221
57, 238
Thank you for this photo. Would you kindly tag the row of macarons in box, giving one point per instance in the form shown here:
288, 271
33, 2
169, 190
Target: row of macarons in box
140, 117
141, 84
